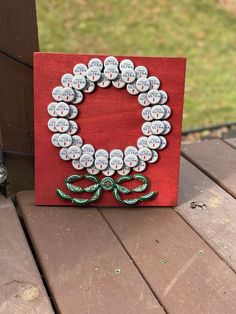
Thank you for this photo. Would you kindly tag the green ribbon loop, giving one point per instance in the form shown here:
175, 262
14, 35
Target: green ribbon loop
107, 184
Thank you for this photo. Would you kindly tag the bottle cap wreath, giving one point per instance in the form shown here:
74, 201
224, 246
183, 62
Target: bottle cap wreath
83, 155
109, 170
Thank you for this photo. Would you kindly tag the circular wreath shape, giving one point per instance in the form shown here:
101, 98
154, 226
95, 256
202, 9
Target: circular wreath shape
63, 110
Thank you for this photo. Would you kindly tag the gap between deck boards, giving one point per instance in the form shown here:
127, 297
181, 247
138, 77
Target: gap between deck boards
205, 241
196, 163
136, 264
132, 259
37, 262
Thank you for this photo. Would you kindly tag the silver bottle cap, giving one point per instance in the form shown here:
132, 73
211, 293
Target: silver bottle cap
126, 64
142, 99
73, 112
79, 82
116, 153
93, 74
65, 140
164, 97
101, 163
52, 109
153, 96
108, 172
116, 163
142, 142
131, 150
54, 139
88, 149
103, 82
95, 62
80, 69
124, 171
167, 127
78, 97
141, 166
111, 61
145, 154
73, 127
93, 170
63, 154
167, 111
101, 153
66, 80
86, 160
157, 127
56, 93
52, 124
132, 89
141, 71
142, 84
153, 141
67, 94
111, 72
157, 112
62, 125
77, 140
62, 109
146, 114
154, 157
77, 165
74, 152
90, 87
146, 128
154, 82
131, 160
128, 75
118, 82
163, 142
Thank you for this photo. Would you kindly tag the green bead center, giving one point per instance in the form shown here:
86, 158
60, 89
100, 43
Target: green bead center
107, 184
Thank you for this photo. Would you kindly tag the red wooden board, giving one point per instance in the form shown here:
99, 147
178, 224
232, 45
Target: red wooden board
108, 118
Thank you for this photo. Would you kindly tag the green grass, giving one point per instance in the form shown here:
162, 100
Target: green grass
200, 30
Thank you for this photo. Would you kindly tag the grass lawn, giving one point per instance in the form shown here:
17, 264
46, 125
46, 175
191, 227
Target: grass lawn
201, 30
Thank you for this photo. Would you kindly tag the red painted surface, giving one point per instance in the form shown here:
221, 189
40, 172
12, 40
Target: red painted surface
108, 118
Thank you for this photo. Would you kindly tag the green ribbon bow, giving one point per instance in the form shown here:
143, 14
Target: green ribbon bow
106, 184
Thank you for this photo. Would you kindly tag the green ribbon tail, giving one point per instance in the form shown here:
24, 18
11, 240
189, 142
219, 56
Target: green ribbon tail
148, 196
63, 195
80, 201
86, 201
133, 201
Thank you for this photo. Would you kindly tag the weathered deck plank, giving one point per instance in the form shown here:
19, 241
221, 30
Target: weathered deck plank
21, 288
214, 213
80, 256
182, 269
216, 159
231, 142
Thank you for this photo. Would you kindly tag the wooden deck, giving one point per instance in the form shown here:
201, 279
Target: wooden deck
128, 260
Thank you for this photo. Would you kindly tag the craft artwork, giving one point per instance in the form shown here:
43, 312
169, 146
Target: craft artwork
108, 171
133, 158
